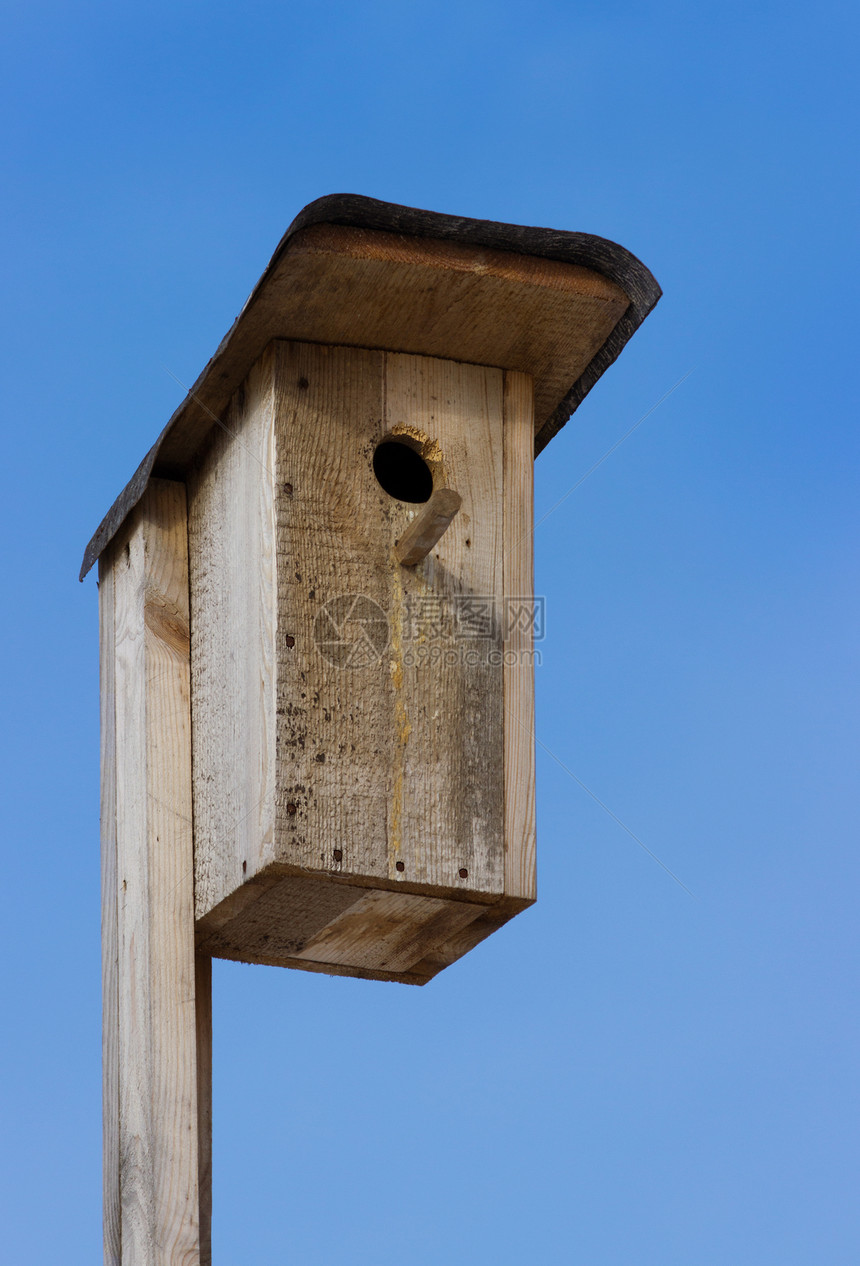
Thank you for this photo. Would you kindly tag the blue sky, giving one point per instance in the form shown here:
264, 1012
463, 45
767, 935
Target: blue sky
626, 1073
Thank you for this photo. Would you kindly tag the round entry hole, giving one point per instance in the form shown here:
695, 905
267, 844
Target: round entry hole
402, 472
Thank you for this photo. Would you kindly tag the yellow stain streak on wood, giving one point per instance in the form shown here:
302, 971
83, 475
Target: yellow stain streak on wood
402, 727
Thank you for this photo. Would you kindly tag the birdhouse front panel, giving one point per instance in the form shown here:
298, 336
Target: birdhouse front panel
390, 687
353, 806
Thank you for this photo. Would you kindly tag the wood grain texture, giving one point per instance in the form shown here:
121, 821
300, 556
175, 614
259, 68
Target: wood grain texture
390, 758
322, 925
112, 1225
158, 1107
289, 911
319, 924
455, 302
232, 578
465, 939
520, 869
389, 931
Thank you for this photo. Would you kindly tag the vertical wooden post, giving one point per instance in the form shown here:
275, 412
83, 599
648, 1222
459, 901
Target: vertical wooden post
156, 999
110, 960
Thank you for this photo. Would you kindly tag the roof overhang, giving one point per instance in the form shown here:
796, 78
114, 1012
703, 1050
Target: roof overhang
357, 272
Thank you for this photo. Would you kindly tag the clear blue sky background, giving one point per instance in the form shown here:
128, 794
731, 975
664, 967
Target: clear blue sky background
625, 1075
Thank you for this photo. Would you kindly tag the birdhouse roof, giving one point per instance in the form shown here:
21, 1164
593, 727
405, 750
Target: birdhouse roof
354, 271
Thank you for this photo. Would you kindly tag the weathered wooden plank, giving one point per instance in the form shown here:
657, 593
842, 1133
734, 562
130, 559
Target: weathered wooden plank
520, 872
390, 757
285, 916
280, 917
464, 939
232, 577
389, 931
135, 1060
448, 787
451, 301
158, 1122
333, 690
110, 969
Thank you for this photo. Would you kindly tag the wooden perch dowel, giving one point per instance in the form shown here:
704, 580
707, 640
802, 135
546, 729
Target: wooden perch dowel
423, 532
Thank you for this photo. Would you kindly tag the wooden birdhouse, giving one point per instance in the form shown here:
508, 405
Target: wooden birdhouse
317, 627
355, 469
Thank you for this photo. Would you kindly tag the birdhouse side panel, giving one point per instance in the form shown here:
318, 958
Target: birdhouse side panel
390, 727
231, 533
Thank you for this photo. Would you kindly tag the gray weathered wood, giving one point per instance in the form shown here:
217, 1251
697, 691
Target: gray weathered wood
152, 1155
389, 931
392, 754
110, 965
231, 527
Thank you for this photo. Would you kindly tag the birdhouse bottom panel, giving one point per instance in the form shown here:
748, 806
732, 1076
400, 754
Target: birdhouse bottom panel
341, 929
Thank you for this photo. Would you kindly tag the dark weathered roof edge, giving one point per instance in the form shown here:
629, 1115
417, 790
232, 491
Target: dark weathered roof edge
598, 253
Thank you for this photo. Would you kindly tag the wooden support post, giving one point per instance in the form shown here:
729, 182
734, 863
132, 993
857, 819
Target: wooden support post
156, 1043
